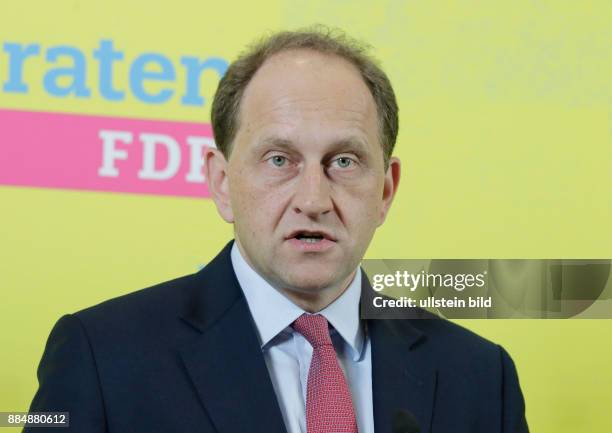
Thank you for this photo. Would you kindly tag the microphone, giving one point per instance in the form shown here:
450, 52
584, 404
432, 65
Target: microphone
404, 422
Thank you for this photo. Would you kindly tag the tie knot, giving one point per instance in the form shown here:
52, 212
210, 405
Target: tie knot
314, 329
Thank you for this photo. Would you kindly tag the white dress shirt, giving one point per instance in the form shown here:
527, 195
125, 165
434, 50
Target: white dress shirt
288, 354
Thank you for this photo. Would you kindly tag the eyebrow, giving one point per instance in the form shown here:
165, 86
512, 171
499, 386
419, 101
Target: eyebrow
351, 144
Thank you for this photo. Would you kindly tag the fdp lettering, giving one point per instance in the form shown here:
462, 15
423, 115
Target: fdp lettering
116, 147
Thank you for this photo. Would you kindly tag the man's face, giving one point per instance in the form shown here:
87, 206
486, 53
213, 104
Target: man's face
305, 182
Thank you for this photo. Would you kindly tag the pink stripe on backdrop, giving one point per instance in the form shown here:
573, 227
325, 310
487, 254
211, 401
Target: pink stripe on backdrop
66, 151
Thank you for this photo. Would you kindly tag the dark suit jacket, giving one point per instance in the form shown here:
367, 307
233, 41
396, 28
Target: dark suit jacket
184, 356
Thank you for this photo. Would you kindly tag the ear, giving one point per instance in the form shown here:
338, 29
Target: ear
218, 183
392, 178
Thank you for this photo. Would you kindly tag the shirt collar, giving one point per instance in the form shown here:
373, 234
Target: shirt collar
273, 312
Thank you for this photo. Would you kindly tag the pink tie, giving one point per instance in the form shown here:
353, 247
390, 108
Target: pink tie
329, 407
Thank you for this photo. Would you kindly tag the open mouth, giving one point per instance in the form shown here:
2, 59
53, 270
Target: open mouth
311, 237
307, 241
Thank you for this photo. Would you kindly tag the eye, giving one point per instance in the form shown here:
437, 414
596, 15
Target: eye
344, 162
278, 160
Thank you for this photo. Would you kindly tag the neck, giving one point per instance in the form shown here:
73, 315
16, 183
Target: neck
315, 301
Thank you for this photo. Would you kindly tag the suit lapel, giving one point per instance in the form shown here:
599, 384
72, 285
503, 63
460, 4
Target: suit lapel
403, 375
228, 370
225, 363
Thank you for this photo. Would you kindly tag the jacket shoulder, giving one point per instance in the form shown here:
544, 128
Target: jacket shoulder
458, 346
148, 313
152, 299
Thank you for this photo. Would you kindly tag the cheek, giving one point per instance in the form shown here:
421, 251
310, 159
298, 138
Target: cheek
362, 216
364, 201
256, 206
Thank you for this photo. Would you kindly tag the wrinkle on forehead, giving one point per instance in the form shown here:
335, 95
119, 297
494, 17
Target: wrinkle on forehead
302, 85
291, 110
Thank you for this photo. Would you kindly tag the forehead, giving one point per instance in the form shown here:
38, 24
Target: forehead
297, 89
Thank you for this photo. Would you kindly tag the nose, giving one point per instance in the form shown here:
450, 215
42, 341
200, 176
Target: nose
313, 193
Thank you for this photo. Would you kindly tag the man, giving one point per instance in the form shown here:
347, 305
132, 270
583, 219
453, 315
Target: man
267, 337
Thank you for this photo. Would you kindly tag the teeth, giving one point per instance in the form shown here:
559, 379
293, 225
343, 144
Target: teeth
310, 239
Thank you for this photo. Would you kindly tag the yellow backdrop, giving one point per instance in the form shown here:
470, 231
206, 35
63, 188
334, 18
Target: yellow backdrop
504, 137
